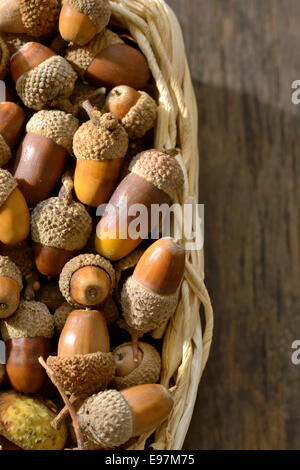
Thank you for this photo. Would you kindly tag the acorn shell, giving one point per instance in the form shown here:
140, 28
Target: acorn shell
160, 169
16, 41
9, 269
105, 420
80, 57
55, 223
7, 185
144, 310
83, 373
32, 319
55, 125
5, 152
4, 58
50, 84
98, 11
39, 17
141, 117
148, 371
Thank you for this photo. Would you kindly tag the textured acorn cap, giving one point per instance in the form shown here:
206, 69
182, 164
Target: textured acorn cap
5, 152
98, 11
105, 139
4, 58
22, 255
83, 373
55, 125
123, 265
60, 316
105, 420
144, 310
147, 372
9, 269
57, 224
81, 57
141, 117
7, 185
32, 319
39, 17
78, 262
160, 169
49, 84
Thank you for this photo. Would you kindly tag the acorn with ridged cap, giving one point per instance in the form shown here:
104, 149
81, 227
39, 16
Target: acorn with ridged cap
107, 61
136, 110
155, 178
99, 146
4, 58
14, 213
11, 285
87, 280
43, 153
81, 20
149, 297
59, 228
27, 335
43, 79
33, 17
110, 418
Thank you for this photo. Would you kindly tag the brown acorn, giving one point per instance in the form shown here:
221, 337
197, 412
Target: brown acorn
110, 418
14, 213
107, 61
12, 122
43, 153
81, 20
27, 336
136, 110
10, 287
99, 146
155, 178
59, 228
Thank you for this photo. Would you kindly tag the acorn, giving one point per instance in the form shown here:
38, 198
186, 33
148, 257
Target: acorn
43, 79
83, 364
99, 146
149, 297
10, 287
27, 336
12, 121
26, 421
107, 61
43, 153
136, 110
155, 178
124, 268
81, 20
87, 280
130, 372
110, 418
33, 17
4, 58
59, 228
14, 213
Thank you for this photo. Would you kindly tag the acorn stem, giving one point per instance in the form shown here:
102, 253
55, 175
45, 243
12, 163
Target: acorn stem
62, 415
135, 347
71, 410
89, 108
65, 193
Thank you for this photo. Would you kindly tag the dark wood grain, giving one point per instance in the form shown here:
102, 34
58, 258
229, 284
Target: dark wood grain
244, 57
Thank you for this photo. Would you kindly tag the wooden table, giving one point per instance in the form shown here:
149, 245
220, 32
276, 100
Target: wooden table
244, 55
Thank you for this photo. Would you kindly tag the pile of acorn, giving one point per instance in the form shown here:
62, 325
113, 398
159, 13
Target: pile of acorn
70, 284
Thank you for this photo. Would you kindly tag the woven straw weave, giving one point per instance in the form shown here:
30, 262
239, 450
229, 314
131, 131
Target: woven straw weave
185, 345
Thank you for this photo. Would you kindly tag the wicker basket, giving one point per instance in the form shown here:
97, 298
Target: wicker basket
185, 346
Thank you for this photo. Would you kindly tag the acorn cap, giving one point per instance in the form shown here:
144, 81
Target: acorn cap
141, 117
5, 152
31, 320
98, 11
49, 84
102, 138
81, 57
105, 420
144, 310
4, 58
7, 185
60, 316
79, 262
39, 17
126, 263
9, 269
160, 169
147, 372
83, 373
22, 255
56, 224
55, 125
